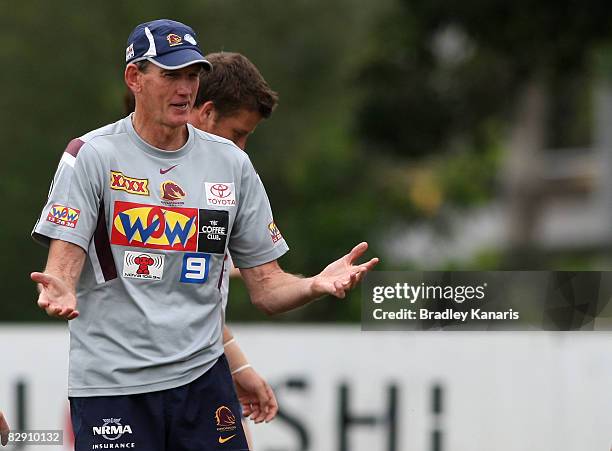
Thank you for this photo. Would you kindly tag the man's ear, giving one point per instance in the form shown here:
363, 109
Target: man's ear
206, 115
208, 110
132, 78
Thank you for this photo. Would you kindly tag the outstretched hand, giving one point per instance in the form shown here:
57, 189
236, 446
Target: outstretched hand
4, 430
55, 297
343, 274
255, 395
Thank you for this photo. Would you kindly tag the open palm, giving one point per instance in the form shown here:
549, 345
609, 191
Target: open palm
4, 430
55, 297
343, 274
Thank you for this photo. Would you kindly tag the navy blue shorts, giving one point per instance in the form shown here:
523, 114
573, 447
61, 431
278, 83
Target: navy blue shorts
203, 415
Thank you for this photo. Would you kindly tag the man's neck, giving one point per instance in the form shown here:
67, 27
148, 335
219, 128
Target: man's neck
160, 136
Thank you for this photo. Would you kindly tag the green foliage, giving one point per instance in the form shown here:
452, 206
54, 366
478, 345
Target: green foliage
375, 124
468, 178
440, 82
64, 76
441, 72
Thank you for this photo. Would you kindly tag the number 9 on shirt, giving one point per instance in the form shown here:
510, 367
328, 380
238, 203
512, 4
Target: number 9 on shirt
195, 267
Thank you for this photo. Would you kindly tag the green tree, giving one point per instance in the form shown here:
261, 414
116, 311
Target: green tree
445, 80
64, 76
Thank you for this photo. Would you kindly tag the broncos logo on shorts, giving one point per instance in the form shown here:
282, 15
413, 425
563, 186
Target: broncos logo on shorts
224, 417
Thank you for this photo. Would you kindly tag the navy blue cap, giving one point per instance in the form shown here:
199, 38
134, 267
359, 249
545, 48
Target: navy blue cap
166, 43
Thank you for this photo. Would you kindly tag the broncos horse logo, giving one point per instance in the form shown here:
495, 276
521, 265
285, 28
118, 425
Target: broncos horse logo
172, 191
224, 417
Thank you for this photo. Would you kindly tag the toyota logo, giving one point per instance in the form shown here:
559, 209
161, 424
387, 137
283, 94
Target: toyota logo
220, 190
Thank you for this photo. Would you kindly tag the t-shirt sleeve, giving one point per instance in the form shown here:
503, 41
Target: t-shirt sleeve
71, 211
255, 239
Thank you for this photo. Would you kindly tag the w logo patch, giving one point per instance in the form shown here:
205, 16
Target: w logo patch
64, 216
155, 227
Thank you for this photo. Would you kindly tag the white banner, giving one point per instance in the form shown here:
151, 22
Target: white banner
341, 389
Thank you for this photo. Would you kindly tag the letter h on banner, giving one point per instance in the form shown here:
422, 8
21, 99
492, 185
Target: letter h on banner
388, 419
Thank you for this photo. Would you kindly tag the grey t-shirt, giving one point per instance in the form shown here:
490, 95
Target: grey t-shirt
156, 226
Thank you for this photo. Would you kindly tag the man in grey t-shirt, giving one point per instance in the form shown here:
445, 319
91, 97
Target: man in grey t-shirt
139, 217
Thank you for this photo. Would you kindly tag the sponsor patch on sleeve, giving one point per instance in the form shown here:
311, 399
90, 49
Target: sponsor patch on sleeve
212, 233
63, 215
220, 194
141, 265
274, 232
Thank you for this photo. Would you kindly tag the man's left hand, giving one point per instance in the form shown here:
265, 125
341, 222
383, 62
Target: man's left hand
255, 395
343, 274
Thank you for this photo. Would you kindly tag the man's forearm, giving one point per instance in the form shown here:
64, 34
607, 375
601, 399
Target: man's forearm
275, 291
285, 293
235, 357
65, 261
57, 284
227, 334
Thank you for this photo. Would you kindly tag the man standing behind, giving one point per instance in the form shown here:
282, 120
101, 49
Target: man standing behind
139, 218
232, 100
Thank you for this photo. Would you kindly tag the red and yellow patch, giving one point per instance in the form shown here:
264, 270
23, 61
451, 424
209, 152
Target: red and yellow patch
155, 227
64, 216
121, 182
274, 232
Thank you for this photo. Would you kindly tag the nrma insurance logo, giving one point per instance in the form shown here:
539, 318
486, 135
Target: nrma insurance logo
155, 227
112, 429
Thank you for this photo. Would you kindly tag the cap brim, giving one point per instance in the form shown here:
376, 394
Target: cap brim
179, 59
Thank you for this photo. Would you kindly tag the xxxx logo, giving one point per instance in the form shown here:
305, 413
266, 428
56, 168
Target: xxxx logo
122, 182
156, 227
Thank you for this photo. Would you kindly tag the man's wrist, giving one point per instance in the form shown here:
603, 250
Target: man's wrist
315, 288
241, 368
235, 357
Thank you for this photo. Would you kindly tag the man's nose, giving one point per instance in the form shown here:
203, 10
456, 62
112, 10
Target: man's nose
184, 88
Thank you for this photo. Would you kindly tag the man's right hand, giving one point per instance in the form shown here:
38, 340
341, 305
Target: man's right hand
4, 430
55, 297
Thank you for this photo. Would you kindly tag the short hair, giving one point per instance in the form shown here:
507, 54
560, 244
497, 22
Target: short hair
235, 83
142, 65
